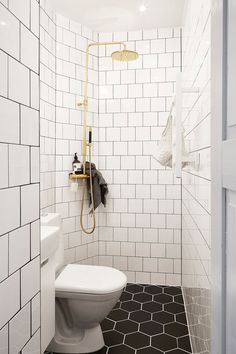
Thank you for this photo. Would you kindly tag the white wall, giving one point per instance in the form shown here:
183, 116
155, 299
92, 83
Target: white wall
71, 44
63, 46
139, 231
47, 107
196, 206
19, 180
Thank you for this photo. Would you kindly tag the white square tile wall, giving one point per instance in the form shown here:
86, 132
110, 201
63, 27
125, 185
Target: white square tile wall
71, 43
47, 107
196, 246
134, 100
128, 120
19, 181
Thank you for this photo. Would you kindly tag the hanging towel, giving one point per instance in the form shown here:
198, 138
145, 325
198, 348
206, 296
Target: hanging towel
164, 151
100, 188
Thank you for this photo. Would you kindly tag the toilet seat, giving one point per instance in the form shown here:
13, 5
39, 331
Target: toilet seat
76, 278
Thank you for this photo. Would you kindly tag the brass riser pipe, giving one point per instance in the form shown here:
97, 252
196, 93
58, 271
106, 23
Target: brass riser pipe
85, 143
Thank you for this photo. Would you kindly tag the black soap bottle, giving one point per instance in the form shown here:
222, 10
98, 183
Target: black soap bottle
76, 165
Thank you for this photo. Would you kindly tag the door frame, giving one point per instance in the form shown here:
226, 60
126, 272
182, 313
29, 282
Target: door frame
218, 109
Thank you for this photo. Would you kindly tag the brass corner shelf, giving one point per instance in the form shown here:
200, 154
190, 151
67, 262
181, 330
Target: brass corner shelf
73, 176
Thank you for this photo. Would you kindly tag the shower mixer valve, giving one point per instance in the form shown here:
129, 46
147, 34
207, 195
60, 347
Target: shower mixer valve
84, 103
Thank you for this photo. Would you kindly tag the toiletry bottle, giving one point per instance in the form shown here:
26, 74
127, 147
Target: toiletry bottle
76, 165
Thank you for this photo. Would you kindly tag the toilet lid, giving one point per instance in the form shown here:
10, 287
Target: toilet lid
90, 279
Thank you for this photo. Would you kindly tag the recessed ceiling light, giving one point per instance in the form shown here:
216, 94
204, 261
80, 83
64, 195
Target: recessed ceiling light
3, 23
142, 8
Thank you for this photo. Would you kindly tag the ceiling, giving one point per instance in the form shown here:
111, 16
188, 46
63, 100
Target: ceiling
122, 15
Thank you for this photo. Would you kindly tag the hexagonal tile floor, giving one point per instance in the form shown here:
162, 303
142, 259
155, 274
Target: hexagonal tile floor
148, 319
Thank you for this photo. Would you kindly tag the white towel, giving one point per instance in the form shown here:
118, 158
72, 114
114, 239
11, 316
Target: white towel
163, 153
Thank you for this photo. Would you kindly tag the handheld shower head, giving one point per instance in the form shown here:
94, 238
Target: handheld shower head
125, 55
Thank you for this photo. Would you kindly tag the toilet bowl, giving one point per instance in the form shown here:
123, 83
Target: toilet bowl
84, 296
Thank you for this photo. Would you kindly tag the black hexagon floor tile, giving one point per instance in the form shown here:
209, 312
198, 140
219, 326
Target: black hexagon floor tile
126, 326
153, 290
107, 325
148, 319
142, 297
184, 343
152, 307
181, 318
137, 340
163, 298
164, 342
179, 299
176, 329
173, 307
112, 338
134, 288
125, 296
140, 316
171, 290
151, 328
163, 317
131, 306
118, 315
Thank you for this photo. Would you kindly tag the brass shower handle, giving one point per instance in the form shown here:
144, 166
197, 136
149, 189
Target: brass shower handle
84, 103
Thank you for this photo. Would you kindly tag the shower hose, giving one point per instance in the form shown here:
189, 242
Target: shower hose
88, 231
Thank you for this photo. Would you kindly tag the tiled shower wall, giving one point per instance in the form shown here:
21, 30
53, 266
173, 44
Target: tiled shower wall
71, 43
63, 47
196, 245
19, 180
47, 107
139, 231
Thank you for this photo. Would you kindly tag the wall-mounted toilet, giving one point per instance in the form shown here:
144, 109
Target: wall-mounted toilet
84, 297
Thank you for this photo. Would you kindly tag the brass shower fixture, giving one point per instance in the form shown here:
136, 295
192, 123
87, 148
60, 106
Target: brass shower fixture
123, 55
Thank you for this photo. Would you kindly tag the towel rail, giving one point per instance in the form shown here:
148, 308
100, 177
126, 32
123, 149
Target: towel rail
177, 130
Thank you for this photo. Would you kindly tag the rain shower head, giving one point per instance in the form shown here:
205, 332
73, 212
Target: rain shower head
125, 55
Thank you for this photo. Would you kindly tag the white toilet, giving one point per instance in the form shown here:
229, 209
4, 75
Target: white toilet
84, 297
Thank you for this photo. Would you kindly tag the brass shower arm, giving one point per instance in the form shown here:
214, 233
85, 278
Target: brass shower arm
98, 44
94, 44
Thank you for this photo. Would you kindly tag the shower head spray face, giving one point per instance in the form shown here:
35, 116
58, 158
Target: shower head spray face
125, 55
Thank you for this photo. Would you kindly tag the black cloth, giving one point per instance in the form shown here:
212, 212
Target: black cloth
100, 188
